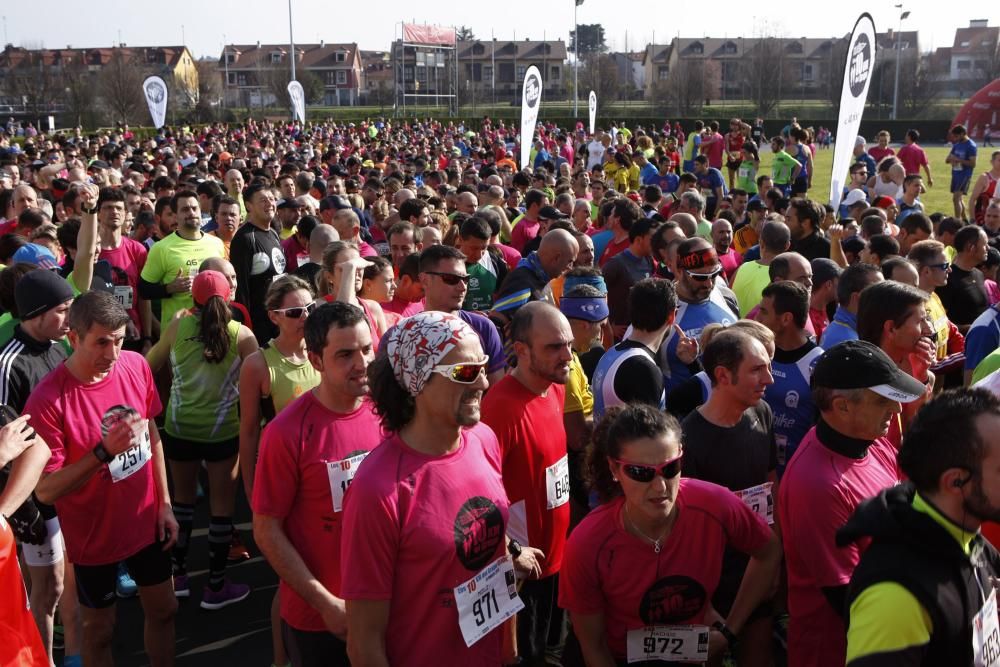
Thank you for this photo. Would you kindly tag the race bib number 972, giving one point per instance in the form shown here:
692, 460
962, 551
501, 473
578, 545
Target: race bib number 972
668, 643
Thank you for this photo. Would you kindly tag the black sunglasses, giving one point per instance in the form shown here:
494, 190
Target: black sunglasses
449, 278
644, 474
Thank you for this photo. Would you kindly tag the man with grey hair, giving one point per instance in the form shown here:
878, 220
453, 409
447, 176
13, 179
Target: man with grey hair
693, 203
233, 181
581, 215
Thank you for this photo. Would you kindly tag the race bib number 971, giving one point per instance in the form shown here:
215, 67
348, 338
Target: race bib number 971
487, 600
668, 643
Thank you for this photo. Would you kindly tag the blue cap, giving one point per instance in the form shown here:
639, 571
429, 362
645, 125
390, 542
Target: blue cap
36, 254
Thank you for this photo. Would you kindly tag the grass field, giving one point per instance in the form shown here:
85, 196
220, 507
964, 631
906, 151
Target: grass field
937, 198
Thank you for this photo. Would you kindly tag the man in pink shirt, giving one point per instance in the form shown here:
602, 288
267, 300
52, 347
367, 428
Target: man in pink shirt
913, 156
841, 461
107, 476
427, 511
713, 146
308, 457
526, 228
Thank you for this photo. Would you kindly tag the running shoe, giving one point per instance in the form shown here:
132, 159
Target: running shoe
230, 593
125, 586
182, 587
237, 552
58, 638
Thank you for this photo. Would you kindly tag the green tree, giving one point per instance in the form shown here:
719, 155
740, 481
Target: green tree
464, 34
591, 39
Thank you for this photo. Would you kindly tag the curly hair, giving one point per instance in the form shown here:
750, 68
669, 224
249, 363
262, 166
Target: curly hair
393, 404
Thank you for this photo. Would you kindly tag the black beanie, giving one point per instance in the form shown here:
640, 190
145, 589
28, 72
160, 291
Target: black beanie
40, 290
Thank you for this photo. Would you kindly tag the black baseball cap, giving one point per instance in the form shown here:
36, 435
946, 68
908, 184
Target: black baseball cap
291, 202
756, 205
857, 364
551, 213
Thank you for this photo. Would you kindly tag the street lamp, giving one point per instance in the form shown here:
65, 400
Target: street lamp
895, 88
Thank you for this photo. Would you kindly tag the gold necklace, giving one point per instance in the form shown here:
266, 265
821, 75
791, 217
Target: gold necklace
658, 543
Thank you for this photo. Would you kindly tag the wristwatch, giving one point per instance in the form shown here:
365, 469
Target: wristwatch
89, 211
102, 454
724, 630
514, 548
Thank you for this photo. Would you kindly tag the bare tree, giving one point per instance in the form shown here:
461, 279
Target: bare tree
312, 85
600, 74
79, 94
209, 82
763, 70
691, 82
834, 79
33, 83
120, 85
274, 82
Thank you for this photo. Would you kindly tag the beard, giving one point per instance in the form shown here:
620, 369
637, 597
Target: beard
978, 505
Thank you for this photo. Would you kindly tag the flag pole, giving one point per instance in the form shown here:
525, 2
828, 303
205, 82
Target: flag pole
576, 61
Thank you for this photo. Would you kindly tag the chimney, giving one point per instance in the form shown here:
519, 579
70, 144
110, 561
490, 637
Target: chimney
322, 43
258, 43
978, 23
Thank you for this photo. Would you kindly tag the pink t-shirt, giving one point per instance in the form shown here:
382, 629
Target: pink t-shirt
419, 526
818, 494
403, 308
129, 258
524, 231
294, 253
731, 261
102, 521
294, 484
530, 446
511, 256
366, 250
610, 571
714, 150
913, 157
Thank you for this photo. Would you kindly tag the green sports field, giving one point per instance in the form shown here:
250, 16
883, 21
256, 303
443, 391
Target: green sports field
937, 197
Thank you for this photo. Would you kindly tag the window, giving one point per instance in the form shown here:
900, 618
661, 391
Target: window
341, 56
663, 73
964, 64
521, 69
421, 58
555, 73
241, 79
230, 58
341, 77
487, 72
330, 78
275, 57
964, 44
232, 78
807, 72
697, 47
729, 47
408, 73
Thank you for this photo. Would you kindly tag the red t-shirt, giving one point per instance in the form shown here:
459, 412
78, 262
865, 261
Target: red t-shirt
20, 644
819, 321
103, 521
294, 483
535, 468
129, 258
612, 249
524, 231
294, 253
714, 150
818, 494
608, 570
913, 157
511, 256
878, 153
419, 526
730, 261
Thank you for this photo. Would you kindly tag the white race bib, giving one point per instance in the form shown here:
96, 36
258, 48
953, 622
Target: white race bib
135, 457
340, 474
487, 600
124, 295
986, 634
759, 499
557, 483
669, 643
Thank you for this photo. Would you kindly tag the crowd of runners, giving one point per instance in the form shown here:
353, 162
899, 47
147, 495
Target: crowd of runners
639, 401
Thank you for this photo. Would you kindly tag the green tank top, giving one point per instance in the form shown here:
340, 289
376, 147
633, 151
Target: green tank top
746, 177
204, 398
288, 379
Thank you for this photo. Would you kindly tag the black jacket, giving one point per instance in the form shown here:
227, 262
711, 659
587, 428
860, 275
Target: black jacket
912, 549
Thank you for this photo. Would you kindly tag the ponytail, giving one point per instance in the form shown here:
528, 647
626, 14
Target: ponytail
214, 333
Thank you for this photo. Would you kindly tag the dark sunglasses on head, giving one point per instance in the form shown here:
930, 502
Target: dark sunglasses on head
296, 312
449, 278
704, 276
644, 474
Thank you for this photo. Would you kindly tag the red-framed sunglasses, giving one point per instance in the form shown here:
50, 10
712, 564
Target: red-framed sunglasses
644, 473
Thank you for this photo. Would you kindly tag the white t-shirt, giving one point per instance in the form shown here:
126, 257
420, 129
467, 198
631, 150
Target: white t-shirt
595, 154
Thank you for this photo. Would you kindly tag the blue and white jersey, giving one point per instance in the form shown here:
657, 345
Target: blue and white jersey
692, 318
639, 381
791, 402
982, 338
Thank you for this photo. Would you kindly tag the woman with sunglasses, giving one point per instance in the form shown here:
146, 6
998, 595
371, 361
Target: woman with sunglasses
270, 379
206, 349
640, 570
338, 258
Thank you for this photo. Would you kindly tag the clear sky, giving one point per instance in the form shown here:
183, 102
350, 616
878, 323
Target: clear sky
203, 25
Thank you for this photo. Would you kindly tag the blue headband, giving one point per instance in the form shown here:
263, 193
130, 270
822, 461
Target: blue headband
589, 308
593, 281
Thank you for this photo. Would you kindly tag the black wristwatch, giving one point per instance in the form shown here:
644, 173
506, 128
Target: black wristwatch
514, 547
102, 454
89, 211
724, 630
